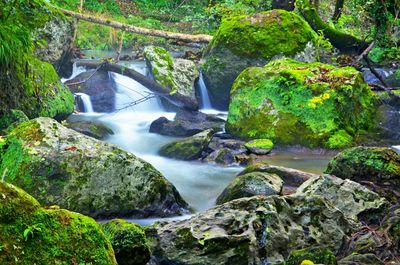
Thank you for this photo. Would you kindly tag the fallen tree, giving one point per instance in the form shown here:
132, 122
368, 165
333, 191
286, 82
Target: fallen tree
202, 38
176, 99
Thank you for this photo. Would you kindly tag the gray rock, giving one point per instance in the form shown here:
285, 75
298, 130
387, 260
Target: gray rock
251, 184
90, 128
361, 259
223, 156
62, 167
256, 230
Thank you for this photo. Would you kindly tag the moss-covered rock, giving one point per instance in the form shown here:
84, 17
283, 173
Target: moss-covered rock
314, 255
60, 166
381, 166
12, 118
260, 146
30, 234
290, 102
128, 241
34, 88
361, 259
190, 148
251, 184
253, 40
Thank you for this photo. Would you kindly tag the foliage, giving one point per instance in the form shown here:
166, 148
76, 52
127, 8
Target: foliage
105, 6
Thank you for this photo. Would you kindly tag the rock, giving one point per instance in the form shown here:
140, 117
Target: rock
354, 200
186, 123
315, 255
90, 128
60, 166
290, 176
223, 156
361, 259
100, 87
256, 230
35, 90
251, 184
313, 109
128, 241
245, 41
12, 119
190, 148
30, 234
178, 75
378, 168
260, 146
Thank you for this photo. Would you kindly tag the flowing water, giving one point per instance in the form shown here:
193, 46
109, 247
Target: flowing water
85, 101
205, 101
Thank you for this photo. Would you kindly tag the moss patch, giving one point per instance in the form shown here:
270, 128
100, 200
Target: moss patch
311, 256
260, 144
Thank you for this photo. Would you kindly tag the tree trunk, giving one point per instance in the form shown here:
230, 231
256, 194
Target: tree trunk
176, 99
338, 10
129, 28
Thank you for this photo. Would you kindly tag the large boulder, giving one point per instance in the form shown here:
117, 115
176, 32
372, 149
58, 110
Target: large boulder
128, 241
245, 41
354, 200
376, 167
178, 75
60, 166
311, 104
251, 184
256, 230
186, 123
30, 234
99, 85
190, 148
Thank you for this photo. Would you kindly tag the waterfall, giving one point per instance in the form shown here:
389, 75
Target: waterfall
75, 72
204, 96
396, 148
84, 100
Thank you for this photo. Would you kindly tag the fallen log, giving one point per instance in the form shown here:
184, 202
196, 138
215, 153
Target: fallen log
176, 99
139, 30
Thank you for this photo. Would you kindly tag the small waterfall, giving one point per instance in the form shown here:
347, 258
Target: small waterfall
396, 148
83, 100
76, 70
205, 97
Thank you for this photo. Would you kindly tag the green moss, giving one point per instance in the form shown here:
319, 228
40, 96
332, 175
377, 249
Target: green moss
313, 255
12, 118
291, 102
260, 144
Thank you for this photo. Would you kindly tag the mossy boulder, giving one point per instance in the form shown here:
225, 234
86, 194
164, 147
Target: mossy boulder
381, 166
190, 148
311, 104
34, 88
255, 230
128, 241
314, 255
251, 184
12, 118
30, 234
245, 41
62, 167
260, 146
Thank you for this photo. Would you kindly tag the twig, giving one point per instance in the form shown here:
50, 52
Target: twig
91, 75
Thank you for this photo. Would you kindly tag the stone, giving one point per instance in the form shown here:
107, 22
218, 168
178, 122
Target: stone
251, 184
295, 103
62, 167
190, 148
361, 259
260, 146
31, 234
250, 40
223, 156
354, 200
93, 129
255, 230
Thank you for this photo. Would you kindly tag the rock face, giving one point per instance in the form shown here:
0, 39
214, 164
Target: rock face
128, 241
353, 199
100, 87
256, 230
60, 166
186, 123
190, 148
177, 74
310, 104
30, 234
361, 259
251, 184
246, 41
374, 166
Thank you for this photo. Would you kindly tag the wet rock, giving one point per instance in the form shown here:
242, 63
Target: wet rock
60, 166
190, 148
361, 259
31, 234
99, 86
252, 230
245, 41
251, 184
378, 168
388, 116
90, 128
315, 255
260, 146
223, 156
186, 123
128, 241
353, 199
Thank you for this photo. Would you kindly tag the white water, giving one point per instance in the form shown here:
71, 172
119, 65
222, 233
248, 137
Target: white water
75, 72
204, 96
86, 102
397, 148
